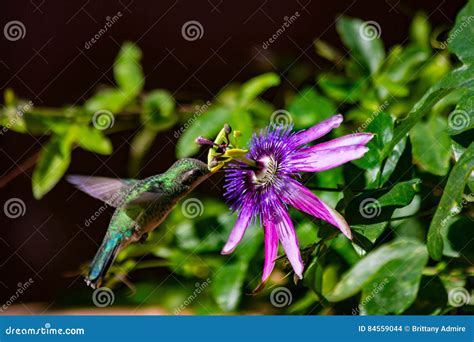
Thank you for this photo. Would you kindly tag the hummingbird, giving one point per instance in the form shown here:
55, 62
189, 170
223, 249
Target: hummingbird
141, 206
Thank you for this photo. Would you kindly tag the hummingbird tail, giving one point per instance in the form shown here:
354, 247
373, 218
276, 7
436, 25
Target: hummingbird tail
102, 261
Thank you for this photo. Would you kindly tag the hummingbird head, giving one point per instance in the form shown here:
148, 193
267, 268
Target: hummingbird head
189, 172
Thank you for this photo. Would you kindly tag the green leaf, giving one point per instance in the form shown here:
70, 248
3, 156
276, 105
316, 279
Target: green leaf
140, 145
371, 231
378, 205
227, 284
158, 110
378, 171
382, 126
457, 238
341, 88
431, 145
462, 118
406, 64
451, 202
392, 161
362, 38
431, 299
460, 36
92, 139
388, 277
256, 86
458, 151
207, 124
420, 29
327, 51
53, 162
313, 276
459, 42
128, 71
308, 108
394, 288
113, 100
459, 78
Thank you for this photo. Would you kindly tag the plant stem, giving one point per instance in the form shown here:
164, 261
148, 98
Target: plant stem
248, 161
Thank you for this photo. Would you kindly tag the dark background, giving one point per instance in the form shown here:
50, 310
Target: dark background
51, 67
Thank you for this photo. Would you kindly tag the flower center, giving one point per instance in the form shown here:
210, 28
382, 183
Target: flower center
267, 171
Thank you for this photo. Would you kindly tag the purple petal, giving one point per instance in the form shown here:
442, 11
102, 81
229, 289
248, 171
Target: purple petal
313, 159
238, 231
287, 236
317, 131
346, 140
303, 199
271, 248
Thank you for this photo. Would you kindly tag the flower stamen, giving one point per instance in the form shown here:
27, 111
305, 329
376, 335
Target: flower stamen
267, 172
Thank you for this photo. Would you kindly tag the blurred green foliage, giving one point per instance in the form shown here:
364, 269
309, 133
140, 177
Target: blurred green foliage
408, 200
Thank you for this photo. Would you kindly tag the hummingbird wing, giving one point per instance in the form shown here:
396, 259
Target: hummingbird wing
144, 199
109, 190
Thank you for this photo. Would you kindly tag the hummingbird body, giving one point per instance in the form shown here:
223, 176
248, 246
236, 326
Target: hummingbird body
141, 206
